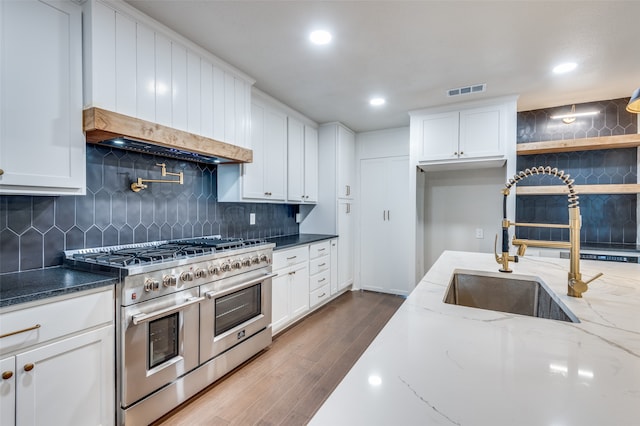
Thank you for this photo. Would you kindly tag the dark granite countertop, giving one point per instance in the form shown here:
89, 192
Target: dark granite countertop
28, 286
289, 241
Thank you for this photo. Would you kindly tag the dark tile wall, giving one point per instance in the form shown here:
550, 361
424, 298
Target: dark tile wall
606, 219
34, 231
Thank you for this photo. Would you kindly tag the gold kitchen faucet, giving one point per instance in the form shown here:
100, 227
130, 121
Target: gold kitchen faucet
575, 285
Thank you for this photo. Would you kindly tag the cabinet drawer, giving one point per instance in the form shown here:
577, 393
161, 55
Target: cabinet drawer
319, 249
318, 280
284, 258
319, 295
55, 320
318, 265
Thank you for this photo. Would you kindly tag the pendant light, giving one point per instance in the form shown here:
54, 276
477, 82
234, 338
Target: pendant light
634, 102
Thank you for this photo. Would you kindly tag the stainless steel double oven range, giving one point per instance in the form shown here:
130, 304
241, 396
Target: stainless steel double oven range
187, 312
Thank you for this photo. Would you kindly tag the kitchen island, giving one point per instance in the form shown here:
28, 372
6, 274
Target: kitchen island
441, 364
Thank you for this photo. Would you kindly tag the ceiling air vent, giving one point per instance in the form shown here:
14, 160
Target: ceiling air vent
475, 88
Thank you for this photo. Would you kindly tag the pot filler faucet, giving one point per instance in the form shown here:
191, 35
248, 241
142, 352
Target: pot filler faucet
575, 286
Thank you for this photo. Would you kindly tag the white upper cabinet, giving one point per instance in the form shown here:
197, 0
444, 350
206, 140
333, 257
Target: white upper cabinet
346, 144
42, 148
473, 135
265, 178
137, 67
310, 164
302, 162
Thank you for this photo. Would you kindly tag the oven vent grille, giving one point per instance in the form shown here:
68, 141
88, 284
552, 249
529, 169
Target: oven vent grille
474, 88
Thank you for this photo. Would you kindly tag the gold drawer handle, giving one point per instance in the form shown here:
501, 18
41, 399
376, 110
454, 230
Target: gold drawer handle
21, 331
28, 367
6, 375
1, 172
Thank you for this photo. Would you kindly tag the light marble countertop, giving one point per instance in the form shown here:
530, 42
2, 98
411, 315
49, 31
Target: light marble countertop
440, 364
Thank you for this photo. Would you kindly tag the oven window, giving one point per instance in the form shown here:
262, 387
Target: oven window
163, 339
236, 308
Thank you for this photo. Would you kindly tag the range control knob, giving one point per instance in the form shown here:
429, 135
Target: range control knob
264, 258
169, 280
201, 273
151, 285
225, 267
236, 264
214, 270
186, 276
246, 262
255, 260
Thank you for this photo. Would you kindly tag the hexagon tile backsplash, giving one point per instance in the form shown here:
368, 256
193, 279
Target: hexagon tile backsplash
606, 218
34, 231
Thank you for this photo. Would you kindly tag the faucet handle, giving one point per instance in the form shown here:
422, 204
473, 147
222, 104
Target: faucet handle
504, 259
577, 286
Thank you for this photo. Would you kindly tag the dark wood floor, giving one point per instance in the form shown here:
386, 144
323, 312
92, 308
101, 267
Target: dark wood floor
288, 382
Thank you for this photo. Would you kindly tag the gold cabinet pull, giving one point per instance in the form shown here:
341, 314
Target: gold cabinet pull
29, 367
21, 331
6, 375
1, 172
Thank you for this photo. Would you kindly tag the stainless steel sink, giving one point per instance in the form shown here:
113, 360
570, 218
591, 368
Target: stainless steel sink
506, 293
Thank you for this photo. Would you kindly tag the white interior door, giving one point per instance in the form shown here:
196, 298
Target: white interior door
385, 250
373, 224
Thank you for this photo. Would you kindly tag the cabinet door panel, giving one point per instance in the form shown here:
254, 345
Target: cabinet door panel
145, 73
397, 257
229, 108
71, 381
439, 139
480, 134
275, 154
346, 223
310, 164
295, 160
193, 92
280, 301
179, 86
206, 102
346, 162
240, 111
163, 79
42, 148
252, 173
125, 72
300, 291
373, 223
219, 106
102, 92
8, 391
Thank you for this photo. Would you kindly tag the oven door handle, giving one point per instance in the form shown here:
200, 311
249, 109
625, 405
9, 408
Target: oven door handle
213, 294
142, 318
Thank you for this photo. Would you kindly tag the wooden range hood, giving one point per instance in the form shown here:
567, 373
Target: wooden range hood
102, 126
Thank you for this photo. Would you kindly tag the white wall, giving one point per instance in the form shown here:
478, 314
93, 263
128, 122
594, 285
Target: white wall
456, 203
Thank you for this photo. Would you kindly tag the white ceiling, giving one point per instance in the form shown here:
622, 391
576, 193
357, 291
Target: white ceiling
411, 52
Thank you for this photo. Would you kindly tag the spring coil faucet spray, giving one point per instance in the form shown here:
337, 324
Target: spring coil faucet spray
575, 286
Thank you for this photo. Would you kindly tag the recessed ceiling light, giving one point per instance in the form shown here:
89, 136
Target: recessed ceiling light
320, 37
377, 101
564, 68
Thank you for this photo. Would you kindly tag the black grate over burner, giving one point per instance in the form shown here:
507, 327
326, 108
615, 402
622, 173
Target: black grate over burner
167, 251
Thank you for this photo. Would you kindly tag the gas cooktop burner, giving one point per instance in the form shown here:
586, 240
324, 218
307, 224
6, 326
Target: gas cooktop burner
139, 254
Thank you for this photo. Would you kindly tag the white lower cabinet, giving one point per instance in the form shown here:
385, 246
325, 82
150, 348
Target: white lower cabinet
307, 278
58, 373
290, 288
346, 226
319, 273
334, 266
